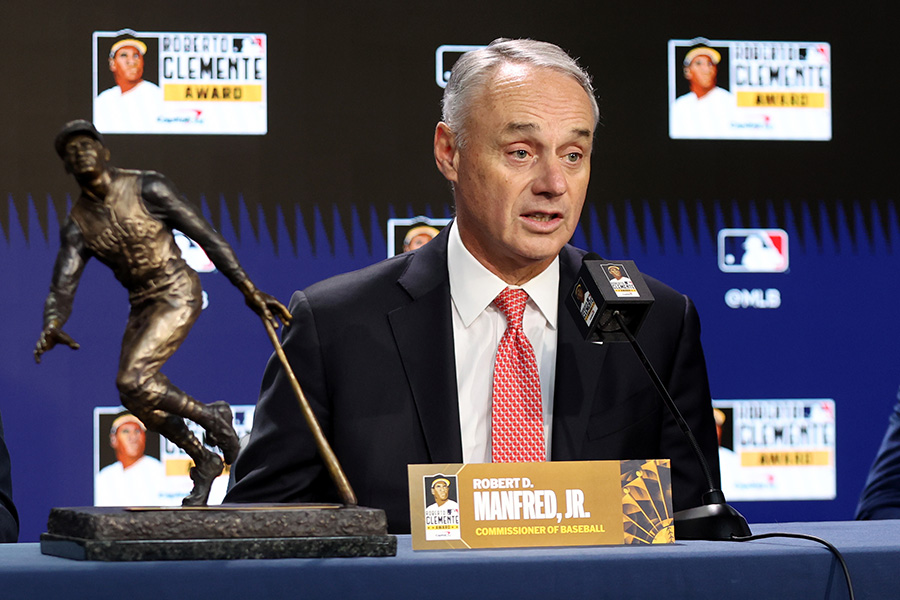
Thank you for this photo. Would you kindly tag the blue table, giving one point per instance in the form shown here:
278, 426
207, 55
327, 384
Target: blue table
770, 568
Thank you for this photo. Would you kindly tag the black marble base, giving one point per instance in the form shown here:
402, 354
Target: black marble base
217, 532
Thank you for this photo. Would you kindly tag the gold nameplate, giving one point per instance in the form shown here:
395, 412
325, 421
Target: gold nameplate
514, 505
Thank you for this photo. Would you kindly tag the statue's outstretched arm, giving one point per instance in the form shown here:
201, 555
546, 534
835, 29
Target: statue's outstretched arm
163, 200
70, 262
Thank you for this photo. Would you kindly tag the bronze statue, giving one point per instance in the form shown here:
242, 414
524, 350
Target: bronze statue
125, 218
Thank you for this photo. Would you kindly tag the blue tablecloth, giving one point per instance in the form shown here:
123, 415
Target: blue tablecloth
770, 568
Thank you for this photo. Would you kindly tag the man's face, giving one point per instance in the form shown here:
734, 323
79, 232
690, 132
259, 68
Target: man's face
127, 65
614, 271
521, 180
129, 441
701, 73
441, 492
85, 156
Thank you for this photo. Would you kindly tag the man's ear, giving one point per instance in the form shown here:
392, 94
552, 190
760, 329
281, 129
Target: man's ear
112, 64
687, 73
446, 151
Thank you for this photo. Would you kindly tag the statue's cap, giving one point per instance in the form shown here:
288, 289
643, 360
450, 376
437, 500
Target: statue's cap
76, 127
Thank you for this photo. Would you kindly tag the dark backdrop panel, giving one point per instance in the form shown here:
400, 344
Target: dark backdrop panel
352, 107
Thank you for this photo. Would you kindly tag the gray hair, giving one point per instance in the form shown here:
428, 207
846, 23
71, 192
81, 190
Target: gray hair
473, 69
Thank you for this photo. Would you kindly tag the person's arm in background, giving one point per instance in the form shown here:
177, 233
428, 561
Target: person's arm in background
9, 518
880, 497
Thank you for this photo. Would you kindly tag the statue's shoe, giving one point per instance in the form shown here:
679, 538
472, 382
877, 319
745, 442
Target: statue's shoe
203, 476
224, 436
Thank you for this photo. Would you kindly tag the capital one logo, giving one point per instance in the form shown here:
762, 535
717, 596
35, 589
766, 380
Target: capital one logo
753, 250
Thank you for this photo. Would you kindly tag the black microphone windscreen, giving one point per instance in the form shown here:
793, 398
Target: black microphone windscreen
602, 288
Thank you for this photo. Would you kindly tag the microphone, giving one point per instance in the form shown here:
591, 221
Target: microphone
602, 288
609, 302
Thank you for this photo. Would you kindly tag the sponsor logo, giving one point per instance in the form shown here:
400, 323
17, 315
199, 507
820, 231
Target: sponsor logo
753, 250
755, 298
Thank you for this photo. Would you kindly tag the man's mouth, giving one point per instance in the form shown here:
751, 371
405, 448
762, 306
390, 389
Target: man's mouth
543, 217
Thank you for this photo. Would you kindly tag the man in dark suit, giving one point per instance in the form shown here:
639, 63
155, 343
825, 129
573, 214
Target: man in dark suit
515, 143
9, 517
880, 497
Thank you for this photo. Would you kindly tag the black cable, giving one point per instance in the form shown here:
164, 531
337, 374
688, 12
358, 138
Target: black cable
667, 398
803, 536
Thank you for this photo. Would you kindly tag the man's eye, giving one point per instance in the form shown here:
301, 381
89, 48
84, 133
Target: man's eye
573, 157
520, 153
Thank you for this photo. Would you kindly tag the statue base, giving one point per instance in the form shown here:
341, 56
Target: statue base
225, 532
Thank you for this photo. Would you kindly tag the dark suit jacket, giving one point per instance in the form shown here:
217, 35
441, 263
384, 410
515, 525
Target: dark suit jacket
373, 351
9, 518
880, 498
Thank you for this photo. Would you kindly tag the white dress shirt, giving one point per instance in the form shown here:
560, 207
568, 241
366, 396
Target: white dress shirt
478, 326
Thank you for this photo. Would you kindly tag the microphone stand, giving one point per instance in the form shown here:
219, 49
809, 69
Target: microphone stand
715, 519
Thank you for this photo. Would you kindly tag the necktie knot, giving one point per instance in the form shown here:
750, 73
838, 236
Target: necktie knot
511, 303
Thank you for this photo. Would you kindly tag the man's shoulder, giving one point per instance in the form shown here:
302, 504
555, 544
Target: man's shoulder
572, 254
404, 276
663, 292
372, 279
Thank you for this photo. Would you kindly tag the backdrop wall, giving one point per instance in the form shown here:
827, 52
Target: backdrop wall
352, 101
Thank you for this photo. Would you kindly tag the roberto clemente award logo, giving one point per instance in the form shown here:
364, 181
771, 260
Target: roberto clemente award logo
442, 508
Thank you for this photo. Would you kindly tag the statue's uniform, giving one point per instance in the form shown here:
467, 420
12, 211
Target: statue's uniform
129, 230
164, 292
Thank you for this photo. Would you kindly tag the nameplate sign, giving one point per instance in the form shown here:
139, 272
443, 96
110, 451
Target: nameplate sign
514, 505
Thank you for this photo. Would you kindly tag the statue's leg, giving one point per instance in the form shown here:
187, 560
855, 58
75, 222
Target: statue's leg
216, 418
207, 464
156, 328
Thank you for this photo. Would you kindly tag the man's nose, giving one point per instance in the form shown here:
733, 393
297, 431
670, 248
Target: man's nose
551, 180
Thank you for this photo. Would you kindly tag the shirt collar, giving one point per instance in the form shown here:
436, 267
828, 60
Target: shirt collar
473, 287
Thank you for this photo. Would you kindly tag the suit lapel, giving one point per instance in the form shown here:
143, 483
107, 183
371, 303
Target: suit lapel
578, 367
430, 367
423, 331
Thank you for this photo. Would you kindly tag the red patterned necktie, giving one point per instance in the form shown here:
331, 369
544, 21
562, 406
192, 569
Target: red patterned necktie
517, 424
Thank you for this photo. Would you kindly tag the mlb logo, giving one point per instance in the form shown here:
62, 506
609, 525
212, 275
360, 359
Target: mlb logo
753, 250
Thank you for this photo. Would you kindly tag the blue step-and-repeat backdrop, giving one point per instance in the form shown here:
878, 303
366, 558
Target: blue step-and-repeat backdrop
303, 132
